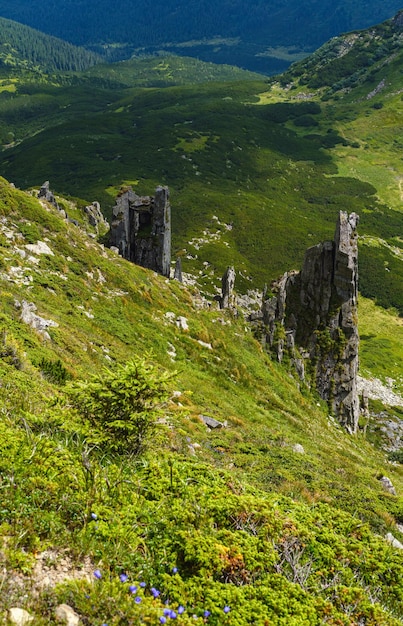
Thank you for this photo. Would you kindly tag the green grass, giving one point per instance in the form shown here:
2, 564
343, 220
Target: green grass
248, 521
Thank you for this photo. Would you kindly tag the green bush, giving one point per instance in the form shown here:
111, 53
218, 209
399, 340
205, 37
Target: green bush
122, 406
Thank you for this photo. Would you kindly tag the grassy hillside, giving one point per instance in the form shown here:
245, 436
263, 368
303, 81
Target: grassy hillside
267, 168
253, 523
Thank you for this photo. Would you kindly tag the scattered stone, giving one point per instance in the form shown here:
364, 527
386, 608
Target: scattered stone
393, 541
141, 229
298, 448
375, 389
388, 485
19, 617
65, 614
171, 351
29, 316
39, 248
182, 323
211, 422
205, 345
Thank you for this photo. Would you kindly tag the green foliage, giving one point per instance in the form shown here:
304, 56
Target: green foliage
26, 49
53, 370
122, 405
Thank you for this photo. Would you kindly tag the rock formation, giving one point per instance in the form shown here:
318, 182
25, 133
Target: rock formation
48, 195
312, 320
178, 270
95, 216
227, 288
141, 229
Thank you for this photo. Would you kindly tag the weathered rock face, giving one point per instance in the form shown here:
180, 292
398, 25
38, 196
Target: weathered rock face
312, 319
95, 216
141, 229
227, 289
48, 195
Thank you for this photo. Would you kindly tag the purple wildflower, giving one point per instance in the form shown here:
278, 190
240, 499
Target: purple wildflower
174, 570
206, 614
137, 599
123, 578
132, 588
94, 516
226, 609
143, 585
155, 592
181, 609
167, 611
173, 615
97, 574
163, 620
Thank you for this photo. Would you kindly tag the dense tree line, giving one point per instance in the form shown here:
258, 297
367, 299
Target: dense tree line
155, 22
22, 45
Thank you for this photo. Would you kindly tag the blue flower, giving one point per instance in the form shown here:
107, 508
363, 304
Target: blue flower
167, 611
132, 588
163, 620
123, 578
97, 574
226, 609
137, 599
143, 585
155, 592
174, 570
173, 615
206, 613
94, 516
181, 609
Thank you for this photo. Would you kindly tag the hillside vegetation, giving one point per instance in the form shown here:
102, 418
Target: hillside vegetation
23, 48
262, 158
260, 35
278, 517
118, 496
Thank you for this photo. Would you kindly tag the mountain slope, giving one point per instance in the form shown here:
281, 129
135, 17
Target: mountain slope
23, 48
258, 35
277, 517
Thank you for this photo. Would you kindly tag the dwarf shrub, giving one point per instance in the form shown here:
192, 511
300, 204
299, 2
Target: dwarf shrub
122, 405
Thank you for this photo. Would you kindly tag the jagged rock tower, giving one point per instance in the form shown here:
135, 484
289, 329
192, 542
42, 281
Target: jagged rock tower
141, 229
312, 319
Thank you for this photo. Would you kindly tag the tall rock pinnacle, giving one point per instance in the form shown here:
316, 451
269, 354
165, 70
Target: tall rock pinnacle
141, 229
312, 318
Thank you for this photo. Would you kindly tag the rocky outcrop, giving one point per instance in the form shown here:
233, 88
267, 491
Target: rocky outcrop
178, 270
95, 217
48, 195
141, 229
311, 319
227, 299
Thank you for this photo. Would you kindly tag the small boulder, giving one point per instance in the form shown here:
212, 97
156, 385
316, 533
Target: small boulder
19, 617
393, 541
65, 615
298, 448
210, 422
388, 485
182, 323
